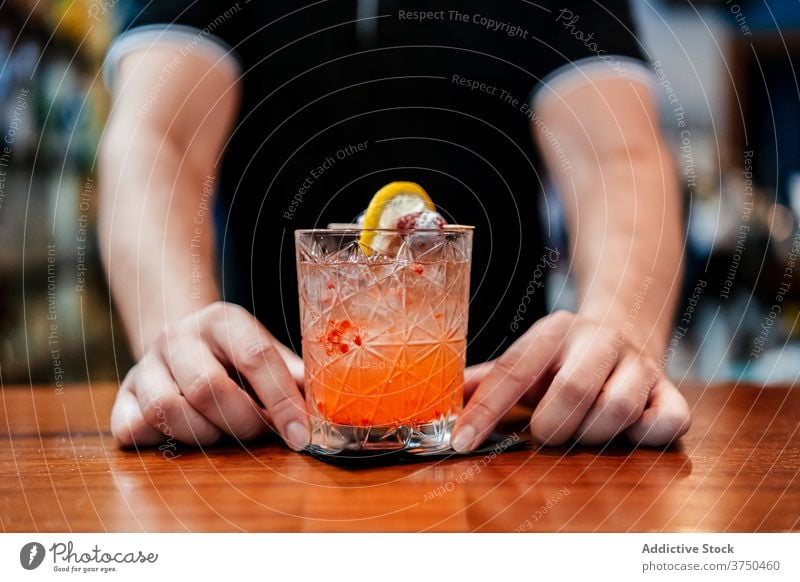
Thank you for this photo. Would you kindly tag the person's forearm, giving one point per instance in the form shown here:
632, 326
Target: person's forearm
158, 164
157, 239
628, 247
622, 206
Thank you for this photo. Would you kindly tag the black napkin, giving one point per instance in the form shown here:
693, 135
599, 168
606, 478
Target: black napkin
495, 444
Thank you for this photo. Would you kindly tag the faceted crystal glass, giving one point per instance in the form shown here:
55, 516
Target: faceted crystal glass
384, 325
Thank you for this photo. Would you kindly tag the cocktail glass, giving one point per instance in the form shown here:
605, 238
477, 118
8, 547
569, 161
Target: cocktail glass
384, 327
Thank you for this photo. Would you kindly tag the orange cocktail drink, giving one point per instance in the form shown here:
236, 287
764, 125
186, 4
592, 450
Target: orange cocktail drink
384, 335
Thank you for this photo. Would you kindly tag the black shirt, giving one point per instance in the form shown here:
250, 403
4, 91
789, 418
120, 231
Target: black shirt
341, 97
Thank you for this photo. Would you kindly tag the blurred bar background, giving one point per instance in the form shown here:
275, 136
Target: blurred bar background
730, 106
55, 323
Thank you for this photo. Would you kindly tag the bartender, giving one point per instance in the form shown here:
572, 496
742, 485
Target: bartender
234, 123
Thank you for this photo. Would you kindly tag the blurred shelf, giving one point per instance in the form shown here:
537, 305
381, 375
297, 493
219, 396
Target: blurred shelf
71, 23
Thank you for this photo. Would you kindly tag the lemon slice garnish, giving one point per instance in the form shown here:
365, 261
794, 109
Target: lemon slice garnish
394, 200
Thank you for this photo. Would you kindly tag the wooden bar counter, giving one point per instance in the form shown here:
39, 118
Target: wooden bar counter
738, 469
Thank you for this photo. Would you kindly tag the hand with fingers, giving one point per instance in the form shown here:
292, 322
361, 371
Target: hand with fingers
181, 387
585, 381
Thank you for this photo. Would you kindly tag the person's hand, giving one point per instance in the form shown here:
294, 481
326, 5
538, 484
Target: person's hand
586, 381
181, 387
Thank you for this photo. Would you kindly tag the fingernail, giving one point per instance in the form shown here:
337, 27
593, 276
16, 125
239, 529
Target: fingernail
297, 436
463, 439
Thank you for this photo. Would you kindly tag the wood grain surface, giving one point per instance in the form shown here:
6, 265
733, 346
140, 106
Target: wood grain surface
736, 470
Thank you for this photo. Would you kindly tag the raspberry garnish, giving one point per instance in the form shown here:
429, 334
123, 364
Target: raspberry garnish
422, 219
